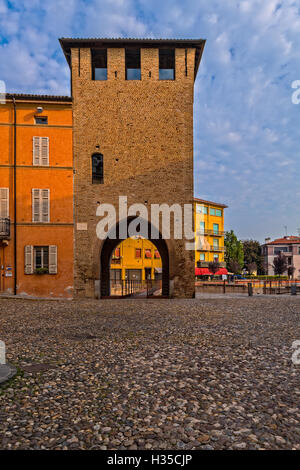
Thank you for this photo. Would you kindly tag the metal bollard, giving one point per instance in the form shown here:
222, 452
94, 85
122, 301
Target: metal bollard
250, 289
293, 289
265, 287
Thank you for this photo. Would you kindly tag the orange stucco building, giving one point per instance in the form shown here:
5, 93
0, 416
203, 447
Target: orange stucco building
36, 196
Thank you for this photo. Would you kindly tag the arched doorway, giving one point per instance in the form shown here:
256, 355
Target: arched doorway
108, 247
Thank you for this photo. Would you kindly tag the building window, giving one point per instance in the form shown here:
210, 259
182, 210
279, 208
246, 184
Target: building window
40, 151
115, 275
133, 64
116, 256
148, 253
216, 228
138, 253
202, 227
156, 254
202, 256
41, 119
41, 205
167, 64
280, 249
218, 213
216, 257
212, 211
99, 64
216, 244
40, 259
201, 209
97, 168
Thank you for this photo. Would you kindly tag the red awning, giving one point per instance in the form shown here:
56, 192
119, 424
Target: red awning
206, 272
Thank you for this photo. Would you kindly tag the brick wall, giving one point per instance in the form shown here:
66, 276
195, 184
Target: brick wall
144, 129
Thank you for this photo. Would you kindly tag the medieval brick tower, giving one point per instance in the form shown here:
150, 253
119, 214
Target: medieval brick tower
132, 136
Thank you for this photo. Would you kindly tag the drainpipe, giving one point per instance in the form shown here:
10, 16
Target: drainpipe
15, 196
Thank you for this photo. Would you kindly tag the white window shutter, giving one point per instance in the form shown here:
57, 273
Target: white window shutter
36, 205
52, 259
36, 143
45, 200
40, 151
44, 151
4, 202
40, 205
28, 259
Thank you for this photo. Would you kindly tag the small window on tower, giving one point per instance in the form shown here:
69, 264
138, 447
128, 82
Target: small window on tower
167, 64
133, 64
99, 64
41, 119
97, 168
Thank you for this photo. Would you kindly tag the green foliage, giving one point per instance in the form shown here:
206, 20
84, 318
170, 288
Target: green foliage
252, 254
41, 271
234, 254
280, 264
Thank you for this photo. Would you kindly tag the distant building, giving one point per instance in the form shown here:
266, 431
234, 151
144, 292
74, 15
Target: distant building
289, 246
209, 228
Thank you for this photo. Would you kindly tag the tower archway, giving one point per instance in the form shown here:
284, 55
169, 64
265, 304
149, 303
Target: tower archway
110, 244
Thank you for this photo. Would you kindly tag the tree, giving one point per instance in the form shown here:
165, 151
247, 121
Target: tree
234, 251
252, 267
290, 271
253, 254
234, 267
280, 264
214, 266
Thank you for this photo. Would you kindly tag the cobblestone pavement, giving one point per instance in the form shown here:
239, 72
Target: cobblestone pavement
151, 374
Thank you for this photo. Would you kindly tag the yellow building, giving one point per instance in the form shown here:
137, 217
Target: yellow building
138, 259
209, 228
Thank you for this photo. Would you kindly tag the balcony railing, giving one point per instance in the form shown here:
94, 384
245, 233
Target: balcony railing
204, 264
214, 233
211, 248
4, 228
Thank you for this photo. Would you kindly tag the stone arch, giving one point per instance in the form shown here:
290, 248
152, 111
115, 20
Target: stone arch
105, 251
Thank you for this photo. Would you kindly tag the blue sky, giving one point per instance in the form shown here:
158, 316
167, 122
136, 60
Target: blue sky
247, 131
